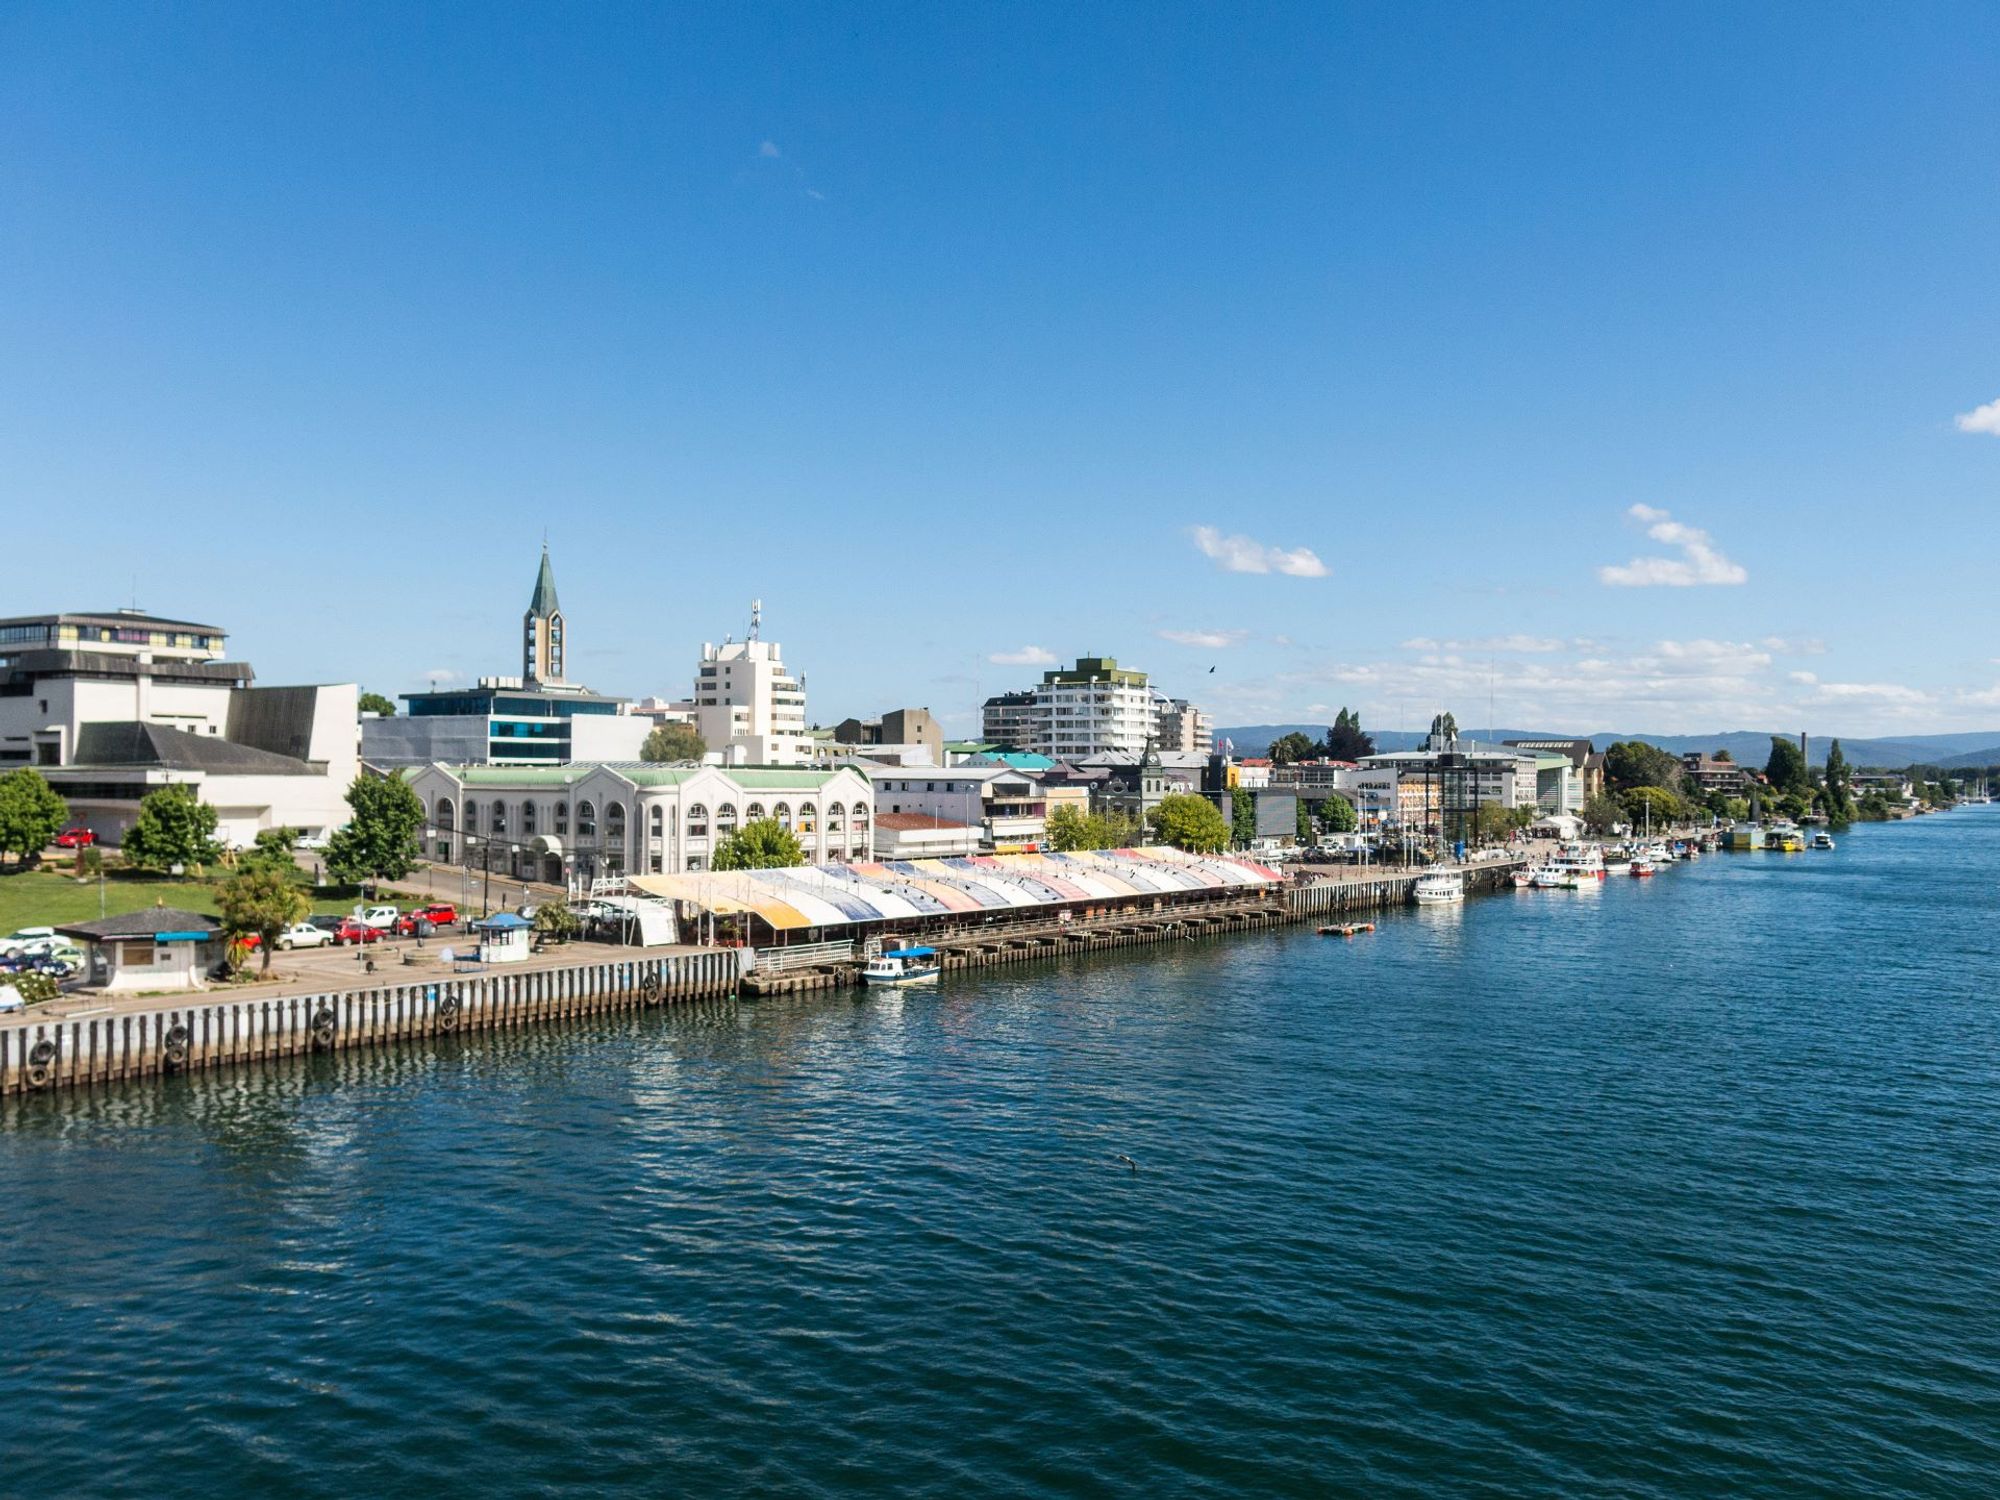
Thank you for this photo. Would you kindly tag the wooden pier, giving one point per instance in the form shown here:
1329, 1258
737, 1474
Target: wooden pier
200, 1033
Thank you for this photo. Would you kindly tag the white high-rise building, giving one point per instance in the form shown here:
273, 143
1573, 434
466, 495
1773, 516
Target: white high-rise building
1179, 725
747, 705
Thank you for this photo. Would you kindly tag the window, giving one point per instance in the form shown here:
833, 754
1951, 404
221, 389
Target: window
471, 816
444, 815
807, 816
562, 817
725, 819
586, 821
860, 817
527, 820
657, 822
754, 813
499, 824
783, 813
614, 822
834, 822
698, 821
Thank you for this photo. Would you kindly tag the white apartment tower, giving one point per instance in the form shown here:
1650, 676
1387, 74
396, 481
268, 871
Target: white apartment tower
747, 705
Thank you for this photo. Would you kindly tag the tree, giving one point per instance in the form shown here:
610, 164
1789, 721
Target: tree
1736, 809
1071, 828
1345, 740
1337, 815
273, 846
1191, 823
380, 839
763, 845
174, 827
375, 703
1839, 791
1305, 822
1602, 813
262, 899
1725, 757
555, 922
1786, 770
1634, 763
31, 814
1493, 822
1242, 817
1654, 805
1290, 747
673, 742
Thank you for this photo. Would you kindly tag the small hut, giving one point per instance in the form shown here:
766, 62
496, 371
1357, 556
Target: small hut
156, 948
503, 939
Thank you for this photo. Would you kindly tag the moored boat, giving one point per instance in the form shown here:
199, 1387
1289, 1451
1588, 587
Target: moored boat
1439, 888
901, 966
1822, 841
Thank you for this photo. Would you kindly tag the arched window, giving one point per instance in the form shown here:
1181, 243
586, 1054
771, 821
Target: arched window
783, 813
562, 817
807, 815
698, 821
614, 822
445, 817
527, 820
725, 819
861, 817
754, 813
499, 824
834, 820
658, 821
586, 821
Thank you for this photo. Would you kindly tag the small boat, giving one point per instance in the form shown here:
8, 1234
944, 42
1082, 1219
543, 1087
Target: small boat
1439, 888
1822, 841
1347, 929
901, 966
1641, 866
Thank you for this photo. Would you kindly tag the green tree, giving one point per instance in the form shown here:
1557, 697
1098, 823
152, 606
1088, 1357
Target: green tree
1664, 807
1633, 763
375, 703
273, 846
31, 814
261, 899
1736, 809
1345, 740
1291, 747
1337, 815
1786, 770
1191, 823
1242, 817
1725, 757
174, 827
1305, 822
380, 839
1603, 812
763, 845
1493, 822
673, 742
555, 922
1839, 788
1068, 829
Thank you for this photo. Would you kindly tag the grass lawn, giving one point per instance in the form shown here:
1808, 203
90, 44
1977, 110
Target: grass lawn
44, 898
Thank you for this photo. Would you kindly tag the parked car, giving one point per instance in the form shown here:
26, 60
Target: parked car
58, 948
312, 843
382, 918
75, 838
326, 924
304, 935
352, 930
437, 914
15, 941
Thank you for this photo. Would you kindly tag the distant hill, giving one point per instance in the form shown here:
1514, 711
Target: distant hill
1751, 747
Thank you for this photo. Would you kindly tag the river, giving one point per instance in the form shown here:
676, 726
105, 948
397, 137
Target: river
1685, 1187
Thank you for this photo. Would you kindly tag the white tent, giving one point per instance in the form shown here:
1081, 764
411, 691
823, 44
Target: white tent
1558, 826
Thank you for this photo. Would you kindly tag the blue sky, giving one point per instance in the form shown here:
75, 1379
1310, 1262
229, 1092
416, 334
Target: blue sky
1610, 360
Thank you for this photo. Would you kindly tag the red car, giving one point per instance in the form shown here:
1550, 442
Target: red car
351, 931
439, 914
75, 838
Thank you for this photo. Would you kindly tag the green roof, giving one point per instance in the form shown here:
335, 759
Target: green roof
543, 603
519, 775
753, 778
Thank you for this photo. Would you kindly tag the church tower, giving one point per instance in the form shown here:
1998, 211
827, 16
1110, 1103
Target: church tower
542, 643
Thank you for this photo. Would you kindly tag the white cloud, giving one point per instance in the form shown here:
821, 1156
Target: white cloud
1027, 656
1487, 644
1804, 679
1214, 640
1984, 419
1239, 554
1865, 692
1698, 564
769, 150
438, 676
1789, 645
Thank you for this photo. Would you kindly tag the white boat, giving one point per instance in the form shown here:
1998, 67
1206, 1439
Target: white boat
1822, 841
901, 966
1574, 866
1438, 888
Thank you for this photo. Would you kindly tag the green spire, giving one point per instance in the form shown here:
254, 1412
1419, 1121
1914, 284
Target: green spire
544, 604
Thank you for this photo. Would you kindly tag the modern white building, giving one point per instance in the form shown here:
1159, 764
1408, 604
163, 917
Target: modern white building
109, 706
1093, 708
747, 705
569, 825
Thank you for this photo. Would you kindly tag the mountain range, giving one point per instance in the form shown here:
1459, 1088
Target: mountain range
1751, 748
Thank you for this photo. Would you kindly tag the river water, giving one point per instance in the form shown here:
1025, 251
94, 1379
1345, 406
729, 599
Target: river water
1686, 1187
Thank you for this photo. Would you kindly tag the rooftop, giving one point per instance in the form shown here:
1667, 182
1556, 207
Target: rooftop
132, 743
130, 618
150, 921
916, 823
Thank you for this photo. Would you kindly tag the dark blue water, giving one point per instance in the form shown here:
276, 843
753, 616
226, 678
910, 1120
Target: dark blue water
1688, 1187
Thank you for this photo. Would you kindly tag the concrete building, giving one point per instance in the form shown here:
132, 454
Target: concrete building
154, 948
536, 719
110, 705
1093, 708
570, 825
921, 836
915, 736
1007, 807
747, 705
1703, 774
1463, 778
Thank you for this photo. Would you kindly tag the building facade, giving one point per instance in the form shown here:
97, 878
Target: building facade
1008, 808
747, 705
571, 825
1093, 708
1179, 725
